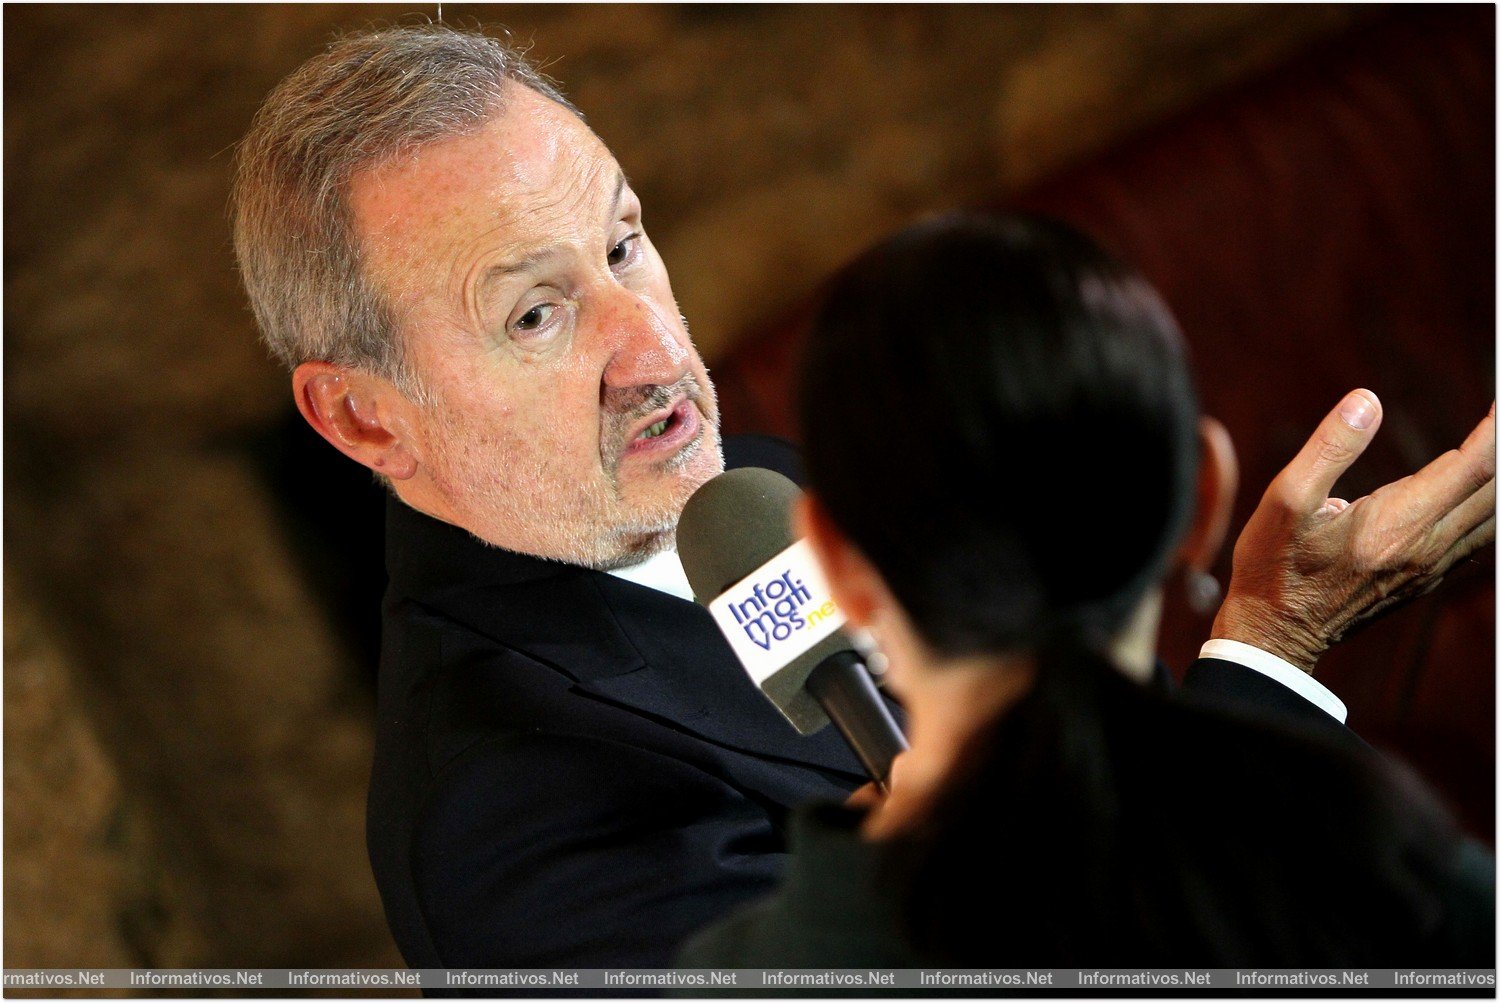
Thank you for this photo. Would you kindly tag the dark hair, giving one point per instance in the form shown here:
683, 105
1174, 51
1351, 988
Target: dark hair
1000, 416
1026, 402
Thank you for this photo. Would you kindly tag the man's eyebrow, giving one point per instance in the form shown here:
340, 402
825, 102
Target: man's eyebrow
526, 262
619, 194
531, 259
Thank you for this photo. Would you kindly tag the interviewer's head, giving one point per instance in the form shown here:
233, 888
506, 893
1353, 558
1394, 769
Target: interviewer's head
1005, 459
1003, 443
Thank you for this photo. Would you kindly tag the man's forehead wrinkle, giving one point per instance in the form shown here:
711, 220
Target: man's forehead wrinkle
565, 208
532, 179
558, 221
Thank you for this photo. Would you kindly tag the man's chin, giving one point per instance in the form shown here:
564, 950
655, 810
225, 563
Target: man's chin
656, 502
640, 548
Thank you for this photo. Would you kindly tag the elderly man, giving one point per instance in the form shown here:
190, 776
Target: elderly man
570, 768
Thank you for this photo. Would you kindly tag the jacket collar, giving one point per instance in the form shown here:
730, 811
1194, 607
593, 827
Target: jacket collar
546, 608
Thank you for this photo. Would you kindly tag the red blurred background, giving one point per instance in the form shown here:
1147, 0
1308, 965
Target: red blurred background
1326, 226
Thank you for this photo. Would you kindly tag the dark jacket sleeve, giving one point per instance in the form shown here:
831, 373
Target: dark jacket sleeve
1467, 937
1230, 684
520, 861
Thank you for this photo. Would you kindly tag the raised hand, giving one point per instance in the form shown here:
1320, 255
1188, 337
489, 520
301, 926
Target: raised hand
1308, 566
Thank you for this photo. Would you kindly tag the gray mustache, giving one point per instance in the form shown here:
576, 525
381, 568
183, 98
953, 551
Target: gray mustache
624, 408
638, 402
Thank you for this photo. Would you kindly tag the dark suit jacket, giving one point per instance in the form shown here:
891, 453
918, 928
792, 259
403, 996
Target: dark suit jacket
572, 770
842, 902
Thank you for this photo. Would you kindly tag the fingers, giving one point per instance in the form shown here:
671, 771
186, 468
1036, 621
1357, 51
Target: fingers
1483, 433
1471, 512
1449, 480
1340, 439
1480, 536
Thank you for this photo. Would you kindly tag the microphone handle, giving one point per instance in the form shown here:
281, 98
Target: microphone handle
842, 685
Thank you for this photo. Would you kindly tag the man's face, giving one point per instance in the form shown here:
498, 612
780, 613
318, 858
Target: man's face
569, 415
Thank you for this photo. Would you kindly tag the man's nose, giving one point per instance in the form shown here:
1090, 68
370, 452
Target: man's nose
645, 350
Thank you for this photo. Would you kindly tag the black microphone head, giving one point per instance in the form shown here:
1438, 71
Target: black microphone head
733, 526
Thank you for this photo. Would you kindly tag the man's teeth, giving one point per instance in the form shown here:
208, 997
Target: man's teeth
654, 430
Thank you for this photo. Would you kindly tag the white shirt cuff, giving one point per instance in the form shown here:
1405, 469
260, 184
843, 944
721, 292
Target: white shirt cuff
1279, 669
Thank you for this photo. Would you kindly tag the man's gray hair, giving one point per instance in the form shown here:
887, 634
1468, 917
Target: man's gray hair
369, 97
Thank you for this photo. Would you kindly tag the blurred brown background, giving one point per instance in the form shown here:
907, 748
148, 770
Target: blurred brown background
192, 579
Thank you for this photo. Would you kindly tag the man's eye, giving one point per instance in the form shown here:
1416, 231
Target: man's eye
534, 318
624, 250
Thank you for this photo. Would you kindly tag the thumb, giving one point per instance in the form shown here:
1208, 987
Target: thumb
1341, 437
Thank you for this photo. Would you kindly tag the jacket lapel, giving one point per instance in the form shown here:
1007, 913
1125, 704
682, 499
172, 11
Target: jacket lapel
624, 643
690, 667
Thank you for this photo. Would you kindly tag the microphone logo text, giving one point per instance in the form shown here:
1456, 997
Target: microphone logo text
774, 610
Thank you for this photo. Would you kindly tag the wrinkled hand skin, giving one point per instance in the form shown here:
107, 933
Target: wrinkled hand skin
1308, 567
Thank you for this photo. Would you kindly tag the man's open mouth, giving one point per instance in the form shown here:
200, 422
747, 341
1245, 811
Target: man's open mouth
665, 431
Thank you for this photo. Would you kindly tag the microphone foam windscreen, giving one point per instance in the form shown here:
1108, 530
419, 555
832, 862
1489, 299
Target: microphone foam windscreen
734, 526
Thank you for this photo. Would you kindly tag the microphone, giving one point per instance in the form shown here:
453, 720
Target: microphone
770, 599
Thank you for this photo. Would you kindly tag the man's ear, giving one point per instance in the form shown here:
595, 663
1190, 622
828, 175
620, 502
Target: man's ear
360, 414
856, 586
1218, 481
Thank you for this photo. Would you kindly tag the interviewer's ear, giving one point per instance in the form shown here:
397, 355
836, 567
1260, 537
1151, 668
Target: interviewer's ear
360, 414
856, 586
1218, 482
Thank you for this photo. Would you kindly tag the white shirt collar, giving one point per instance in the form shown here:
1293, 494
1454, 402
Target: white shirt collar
662, 572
